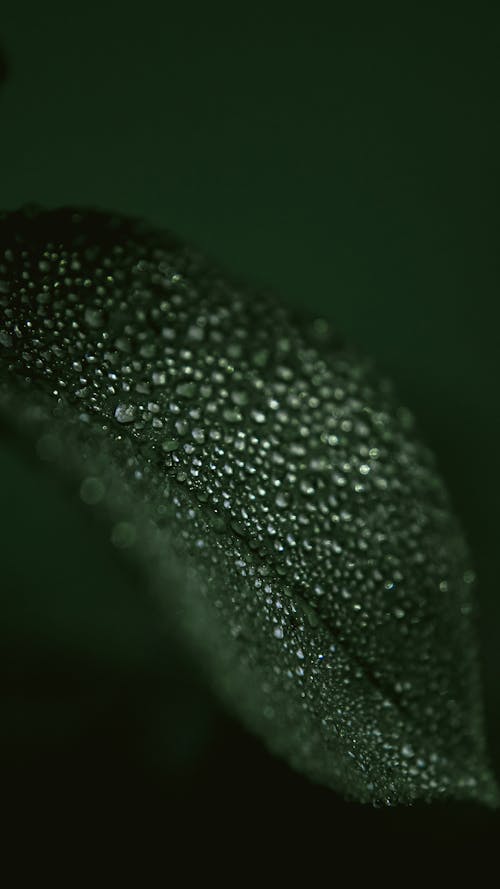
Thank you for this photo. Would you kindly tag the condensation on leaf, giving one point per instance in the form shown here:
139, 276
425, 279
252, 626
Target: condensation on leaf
326, 582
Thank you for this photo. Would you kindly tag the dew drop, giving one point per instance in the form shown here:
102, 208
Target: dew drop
123, 535
92, 490
125, 413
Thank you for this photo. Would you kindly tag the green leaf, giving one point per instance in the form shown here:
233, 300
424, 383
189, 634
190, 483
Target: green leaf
270, 486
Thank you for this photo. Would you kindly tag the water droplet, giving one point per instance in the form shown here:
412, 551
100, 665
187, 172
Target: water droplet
123, 535
125, 413
186, 390
92, 490
94, 317
159, 378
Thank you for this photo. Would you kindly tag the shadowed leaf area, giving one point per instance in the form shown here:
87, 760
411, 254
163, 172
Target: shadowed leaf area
271, 489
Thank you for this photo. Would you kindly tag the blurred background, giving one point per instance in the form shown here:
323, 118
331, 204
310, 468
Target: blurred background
348, 159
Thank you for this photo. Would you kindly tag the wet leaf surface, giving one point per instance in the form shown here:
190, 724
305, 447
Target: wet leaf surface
271, 488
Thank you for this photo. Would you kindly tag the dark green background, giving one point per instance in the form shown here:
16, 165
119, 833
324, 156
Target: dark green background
348, 159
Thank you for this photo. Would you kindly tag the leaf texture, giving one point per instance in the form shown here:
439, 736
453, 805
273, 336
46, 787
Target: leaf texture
272, 488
